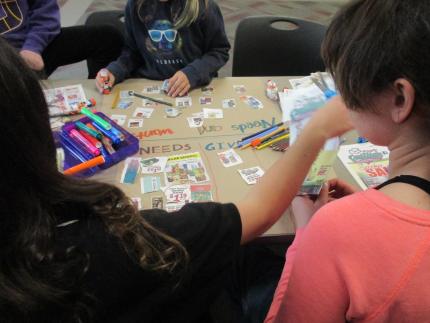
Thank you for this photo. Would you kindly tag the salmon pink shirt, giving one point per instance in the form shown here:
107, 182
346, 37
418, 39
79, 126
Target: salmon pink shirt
363, 258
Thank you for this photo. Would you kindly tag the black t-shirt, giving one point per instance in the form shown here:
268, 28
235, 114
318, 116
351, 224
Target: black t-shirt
124, 292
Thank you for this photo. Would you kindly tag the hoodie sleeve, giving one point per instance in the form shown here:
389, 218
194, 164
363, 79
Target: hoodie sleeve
130, 58
44, 25
201, 70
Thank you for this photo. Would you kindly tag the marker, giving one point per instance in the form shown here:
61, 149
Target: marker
149, 98
74, 134
259, 140
75, 148
91, 139
88, 130
108, 145
271, 142
264, 130
106, 125
117, 133
85, 165
105, 154
116, 140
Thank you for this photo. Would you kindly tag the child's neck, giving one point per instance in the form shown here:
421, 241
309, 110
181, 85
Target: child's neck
410, 158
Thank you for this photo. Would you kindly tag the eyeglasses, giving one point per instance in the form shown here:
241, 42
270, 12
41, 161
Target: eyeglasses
169, 34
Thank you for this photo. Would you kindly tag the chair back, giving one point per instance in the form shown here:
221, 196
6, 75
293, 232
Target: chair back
107, 17
277, 46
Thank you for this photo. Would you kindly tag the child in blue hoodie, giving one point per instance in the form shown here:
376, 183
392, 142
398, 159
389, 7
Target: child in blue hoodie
182, 41
33, 28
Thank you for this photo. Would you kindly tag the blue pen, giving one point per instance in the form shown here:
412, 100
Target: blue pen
116, 140
249, 140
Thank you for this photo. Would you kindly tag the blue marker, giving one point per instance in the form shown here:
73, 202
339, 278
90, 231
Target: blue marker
117, 133
74, 147
116, 140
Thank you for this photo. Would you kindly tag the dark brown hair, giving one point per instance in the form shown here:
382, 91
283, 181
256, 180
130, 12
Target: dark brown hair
371, 43
39, 281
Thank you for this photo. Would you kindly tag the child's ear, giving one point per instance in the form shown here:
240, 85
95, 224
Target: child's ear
404, 100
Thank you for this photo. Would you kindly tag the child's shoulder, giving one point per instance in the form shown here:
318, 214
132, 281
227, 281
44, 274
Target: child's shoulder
353, 209
341, 223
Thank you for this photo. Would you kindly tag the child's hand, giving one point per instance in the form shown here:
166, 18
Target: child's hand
304, 208
332, 120
178, 85
338, 189
104, 81
34, 60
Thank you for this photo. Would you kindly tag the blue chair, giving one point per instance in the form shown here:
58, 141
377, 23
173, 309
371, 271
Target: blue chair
277, 46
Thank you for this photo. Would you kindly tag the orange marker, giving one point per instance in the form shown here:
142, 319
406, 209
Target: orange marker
85, 165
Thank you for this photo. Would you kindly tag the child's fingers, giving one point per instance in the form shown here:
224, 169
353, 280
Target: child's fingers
181, 87
324, 195
185, 90
173, 85
99, 84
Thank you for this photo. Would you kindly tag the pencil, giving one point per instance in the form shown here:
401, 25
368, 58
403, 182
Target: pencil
273, 141
247, 142
275, 136
258, 140
260, 132
115, 101
85, 165
149, 98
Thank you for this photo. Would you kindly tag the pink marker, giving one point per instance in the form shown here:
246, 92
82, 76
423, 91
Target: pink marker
84, 142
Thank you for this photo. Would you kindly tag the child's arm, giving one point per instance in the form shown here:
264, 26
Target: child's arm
44, 24
216, 48
268, 200
130, 58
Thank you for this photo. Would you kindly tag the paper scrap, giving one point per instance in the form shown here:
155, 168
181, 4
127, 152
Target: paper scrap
213, 113
131, 168
153, 165
150, 184
229, 158
135, 123
228, 103
143, 112
251, 175
119, 119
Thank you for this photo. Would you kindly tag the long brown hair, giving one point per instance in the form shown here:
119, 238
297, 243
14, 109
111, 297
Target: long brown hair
40, 282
